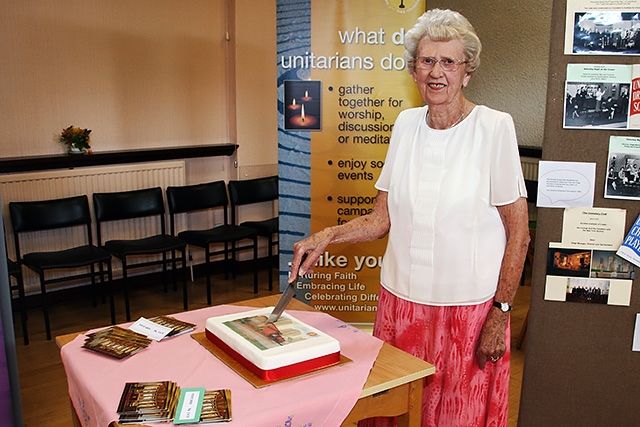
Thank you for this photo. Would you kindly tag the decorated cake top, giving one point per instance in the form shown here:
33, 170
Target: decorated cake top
265, 336
281, 343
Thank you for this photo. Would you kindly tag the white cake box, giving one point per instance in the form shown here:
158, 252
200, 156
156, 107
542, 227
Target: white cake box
272, 352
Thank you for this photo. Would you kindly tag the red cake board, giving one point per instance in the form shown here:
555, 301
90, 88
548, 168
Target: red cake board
253, 374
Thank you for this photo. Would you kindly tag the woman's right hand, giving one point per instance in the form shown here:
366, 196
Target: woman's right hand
360, 229
307, 251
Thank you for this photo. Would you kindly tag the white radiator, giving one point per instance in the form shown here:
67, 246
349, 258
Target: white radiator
73, 182
530, 172
529, 168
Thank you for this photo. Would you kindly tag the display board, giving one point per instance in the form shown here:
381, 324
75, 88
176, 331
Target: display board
580, 369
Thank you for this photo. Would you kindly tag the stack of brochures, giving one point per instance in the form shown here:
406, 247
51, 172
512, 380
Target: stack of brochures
116, 342
178, 327
197, 406
216, 406
121, 342
148, 402
163, 401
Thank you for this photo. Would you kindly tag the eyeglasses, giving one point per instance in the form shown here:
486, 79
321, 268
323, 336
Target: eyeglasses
447, 64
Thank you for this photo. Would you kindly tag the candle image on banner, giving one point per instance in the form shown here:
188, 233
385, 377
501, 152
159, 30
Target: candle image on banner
293, 105
304, 111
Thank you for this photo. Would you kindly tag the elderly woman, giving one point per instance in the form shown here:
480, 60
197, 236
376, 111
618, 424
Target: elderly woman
452, 198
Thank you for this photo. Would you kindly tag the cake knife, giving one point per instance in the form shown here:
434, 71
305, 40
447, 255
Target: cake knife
284, 300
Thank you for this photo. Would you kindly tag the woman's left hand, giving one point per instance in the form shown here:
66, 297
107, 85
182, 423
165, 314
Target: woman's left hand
492, 345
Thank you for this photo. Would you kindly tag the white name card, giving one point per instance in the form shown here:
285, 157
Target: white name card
150, 329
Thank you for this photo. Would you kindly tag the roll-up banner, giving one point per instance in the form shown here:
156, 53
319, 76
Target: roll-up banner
342, 81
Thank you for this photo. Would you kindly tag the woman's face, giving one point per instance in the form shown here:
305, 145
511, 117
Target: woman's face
439, 87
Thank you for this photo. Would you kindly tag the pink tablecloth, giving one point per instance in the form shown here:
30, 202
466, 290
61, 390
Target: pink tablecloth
321, 399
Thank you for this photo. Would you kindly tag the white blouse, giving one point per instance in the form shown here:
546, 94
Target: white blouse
446, 240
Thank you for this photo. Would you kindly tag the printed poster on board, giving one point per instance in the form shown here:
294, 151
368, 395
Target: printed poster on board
342, 81
602, 96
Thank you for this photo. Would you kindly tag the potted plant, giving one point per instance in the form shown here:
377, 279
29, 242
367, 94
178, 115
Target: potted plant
76, 139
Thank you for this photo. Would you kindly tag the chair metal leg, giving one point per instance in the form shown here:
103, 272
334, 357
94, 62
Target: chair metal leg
208, 273
232, 260
45, 309
164, 273
126, 289
185, 293
226, 261
270, 261
102, 288
173, 271
110, 290
94, 301
23, 307
255, 265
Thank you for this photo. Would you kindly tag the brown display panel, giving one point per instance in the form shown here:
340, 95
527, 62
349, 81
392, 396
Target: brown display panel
579, 368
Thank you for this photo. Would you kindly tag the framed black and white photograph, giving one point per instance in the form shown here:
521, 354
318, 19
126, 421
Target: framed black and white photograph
623, 168
600, 105
602, 27
606, 33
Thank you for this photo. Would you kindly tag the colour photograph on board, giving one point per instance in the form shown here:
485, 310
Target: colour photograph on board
568, 262
591, 291
587, 275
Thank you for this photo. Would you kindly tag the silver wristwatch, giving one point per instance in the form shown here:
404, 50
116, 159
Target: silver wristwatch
503, 306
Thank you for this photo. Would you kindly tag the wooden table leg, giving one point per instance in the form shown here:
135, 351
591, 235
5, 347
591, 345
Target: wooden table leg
413, 417
74, 416
404, 401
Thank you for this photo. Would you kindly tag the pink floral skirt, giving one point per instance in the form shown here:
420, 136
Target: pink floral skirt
459, 394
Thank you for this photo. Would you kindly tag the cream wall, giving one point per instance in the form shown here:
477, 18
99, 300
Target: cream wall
256, 88
514, 62
155, 73
144, 73
141, 73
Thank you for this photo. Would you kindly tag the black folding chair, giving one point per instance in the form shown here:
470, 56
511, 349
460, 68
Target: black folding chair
126, 205
211, 196
39, 216
252, 191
